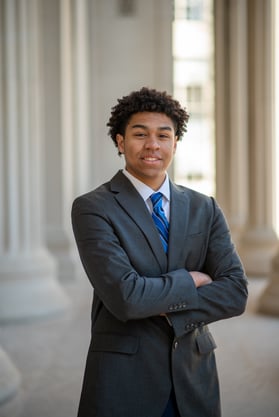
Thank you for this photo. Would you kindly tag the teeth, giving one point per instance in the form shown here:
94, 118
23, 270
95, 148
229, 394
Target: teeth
150, 159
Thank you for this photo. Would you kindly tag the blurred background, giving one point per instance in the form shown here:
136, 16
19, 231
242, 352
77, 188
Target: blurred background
63, 65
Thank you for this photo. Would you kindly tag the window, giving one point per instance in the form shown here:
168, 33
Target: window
189, 9
194, 99
194, 162
194, 9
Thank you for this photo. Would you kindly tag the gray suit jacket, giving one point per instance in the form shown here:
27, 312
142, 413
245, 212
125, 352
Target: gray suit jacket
135, 355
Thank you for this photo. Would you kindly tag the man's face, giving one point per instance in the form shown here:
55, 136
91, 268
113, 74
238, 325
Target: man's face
148, 145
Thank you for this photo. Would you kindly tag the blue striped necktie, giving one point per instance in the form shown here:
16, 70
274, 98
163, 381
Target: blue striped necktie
160, 219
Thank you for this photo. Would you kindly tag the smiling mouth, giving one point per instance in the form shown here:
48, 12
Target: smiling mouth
151, 159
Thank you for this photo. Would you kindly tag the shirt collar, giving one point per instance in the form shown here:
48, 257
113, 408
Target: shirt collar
146, 191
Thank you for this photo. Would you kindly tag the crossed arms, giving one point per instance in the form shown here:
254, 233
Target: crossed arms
115, 268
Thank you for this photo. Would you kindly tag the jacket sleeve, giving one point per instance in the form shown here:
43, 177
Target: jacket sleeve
227, 295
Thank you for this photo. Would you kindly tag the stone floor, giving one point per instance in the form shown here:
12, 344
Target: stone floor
50, 355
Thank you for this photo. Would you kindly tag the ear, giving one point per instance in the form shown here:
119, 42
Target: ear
175, 144
120, 142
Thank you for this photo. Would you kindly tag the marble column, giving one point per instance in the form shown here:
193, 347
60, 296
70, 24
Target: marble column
28, 284
28, 287
59, 133
244, 136
9, 375
269, 300
231, 112
260, 241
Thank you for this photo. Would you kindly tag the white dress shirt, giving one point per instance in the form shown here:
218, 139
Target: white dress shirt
145, 191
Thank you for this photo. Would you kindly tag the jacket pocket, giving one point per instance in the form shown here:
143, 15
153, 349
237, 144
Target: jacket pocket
205, 343
113, 342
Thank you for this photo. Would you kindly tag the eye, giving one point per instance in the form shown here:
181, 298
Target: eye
140, 134
164, 136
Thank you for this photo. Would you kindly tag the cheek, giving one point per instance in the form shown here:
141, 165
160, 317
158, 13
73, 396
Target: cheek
133, 150
170, 150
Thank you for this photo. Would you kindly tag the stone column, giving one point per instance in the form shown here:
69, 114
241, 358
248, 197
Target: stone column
9, 376
231, 112
244, 134
28, 285
60, 173
269, 301
260, 241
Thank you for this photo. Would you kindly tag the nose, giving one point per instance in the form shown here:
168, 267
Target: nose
152, 142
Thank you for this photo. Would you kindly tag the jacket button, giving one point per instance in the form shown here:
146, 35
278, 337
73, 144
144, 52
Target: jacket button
175, 344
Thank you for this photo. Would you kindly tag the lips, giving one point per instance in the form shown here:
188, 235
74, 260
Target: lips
151, 158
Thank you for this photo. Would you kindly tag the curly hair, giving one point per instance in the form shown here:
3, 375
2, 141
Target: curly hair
146, 100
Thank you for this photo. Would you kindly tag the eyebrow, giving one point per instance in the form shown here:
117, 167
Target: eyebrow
146, 127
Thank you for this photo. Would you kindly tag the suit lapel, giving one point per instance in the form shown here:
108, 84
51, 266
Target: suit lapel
179, 214
130, 201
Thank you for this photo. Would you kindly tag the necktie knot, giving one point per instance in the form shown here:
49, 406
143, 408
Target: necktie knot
156, 199
160, 219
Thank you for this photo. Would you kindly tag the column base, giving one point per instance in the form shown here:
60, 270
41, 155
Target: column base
29, 288
9, 379
256, 249
64, 252
67, 267
268, 302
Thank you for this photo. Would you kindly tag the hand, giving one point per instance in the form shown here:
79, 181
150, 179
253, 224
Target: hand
200, 278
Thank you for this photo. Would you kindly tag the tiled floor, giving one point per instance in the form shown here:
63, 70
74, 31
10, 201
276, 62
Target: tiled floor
50, 355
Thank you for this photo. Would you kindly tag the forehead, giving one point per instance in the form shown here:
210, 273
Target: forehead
150, 120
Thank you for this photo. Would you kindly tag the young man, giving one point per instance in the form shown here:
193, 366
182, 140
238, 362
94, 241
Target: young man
162, 266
